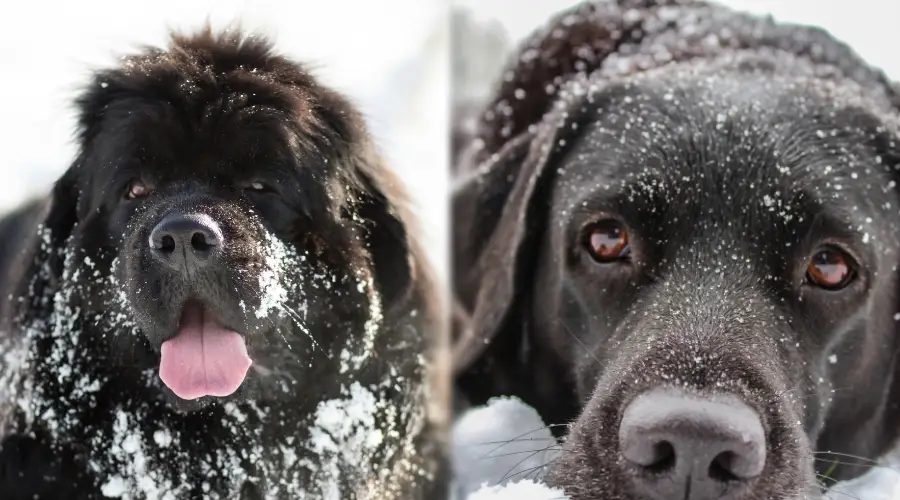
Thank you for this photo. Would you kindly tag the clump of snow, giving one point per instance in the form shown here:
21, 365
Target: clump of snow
12, 360
135, 478
503, 444
282, 288
354, 356
115, 487
347, 421
281, 292
274, 293
524, 489
344, 432
881, 482
118, 317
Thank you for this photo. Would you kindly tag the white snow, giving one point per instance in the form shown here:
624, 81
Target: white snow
115, 487
344, 432
274, 292
505, 438
524, 489
499, 453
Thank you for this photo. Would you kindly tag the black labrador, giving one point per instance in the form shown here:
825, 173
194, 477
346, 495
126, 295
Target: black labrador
223, 297
678, 231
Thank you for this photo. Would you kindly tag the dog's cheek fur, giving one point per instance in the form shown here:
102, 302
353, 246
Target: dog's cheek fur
95, 289
859, 424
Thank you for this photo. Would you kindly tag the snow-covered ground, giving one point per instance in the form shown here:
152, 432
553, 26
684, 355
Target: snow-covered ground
389, 56
498, 450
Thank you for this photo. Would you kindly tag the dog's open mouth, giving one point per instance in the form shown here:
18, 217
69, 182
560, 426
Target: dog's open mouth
204, 358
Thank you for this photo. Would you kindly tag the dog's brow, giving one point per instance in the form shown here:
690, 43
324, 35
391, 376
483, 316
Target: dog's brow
837, 222
631, 193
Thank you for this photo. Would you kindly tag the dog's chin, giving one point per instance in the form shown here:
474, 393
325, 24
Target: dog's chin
186, 406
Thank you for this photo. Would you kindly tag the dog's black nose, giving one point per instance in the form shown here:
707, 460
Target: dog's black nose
186, 240
683, 443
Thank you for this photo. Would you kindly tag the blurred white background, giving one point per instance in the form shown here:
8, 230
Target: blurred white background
390, 57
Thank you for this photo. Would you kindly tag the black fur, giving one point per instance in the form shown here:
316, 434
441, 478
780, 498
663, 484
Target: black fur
199, 123
732, 149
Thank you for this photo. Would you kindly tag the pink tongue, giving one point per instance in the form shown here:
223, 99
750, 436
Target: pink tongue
203, 359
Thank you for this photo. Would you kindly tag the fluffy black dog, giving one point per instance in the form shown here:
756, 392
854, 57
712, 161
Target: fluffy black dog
678, 233
222, 298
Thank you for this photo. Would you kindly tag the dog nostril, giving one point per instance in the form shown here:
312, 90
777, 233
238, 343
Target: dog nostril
201, 243
723, 466
650, 455
663, 459
167, 244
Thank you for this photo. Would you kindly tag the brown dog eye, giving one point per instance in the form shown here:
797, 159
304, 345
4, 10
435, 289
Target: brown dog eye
606, 241
830, 269
137, 189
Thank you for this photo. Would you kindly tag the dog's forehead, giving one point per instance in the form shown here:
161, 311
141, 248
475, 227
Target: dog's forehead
169, 142
741, 143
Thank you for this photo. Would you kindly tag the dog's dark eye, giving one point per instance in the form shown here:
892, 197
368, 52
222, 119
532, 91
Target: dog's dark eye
830, 269
606, 241
137, 189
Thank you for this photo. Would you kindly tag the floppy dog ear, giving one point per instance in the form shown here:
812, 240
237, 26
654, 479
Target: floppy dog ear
389, 230
375, 198
63, 211
46, 261
498, 213
490, 205
498, 207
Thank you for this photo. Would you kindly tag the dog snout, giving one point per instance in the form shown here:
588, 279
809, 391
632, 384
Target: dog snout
709, 447
185, 240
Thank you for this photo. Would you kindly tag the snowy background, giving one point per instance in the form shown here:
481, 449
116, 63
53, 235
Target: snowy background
390, 57
483, 34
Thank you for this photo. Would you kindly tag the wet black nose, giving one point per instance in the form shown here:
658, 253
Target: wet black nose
180, 241
692, 447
